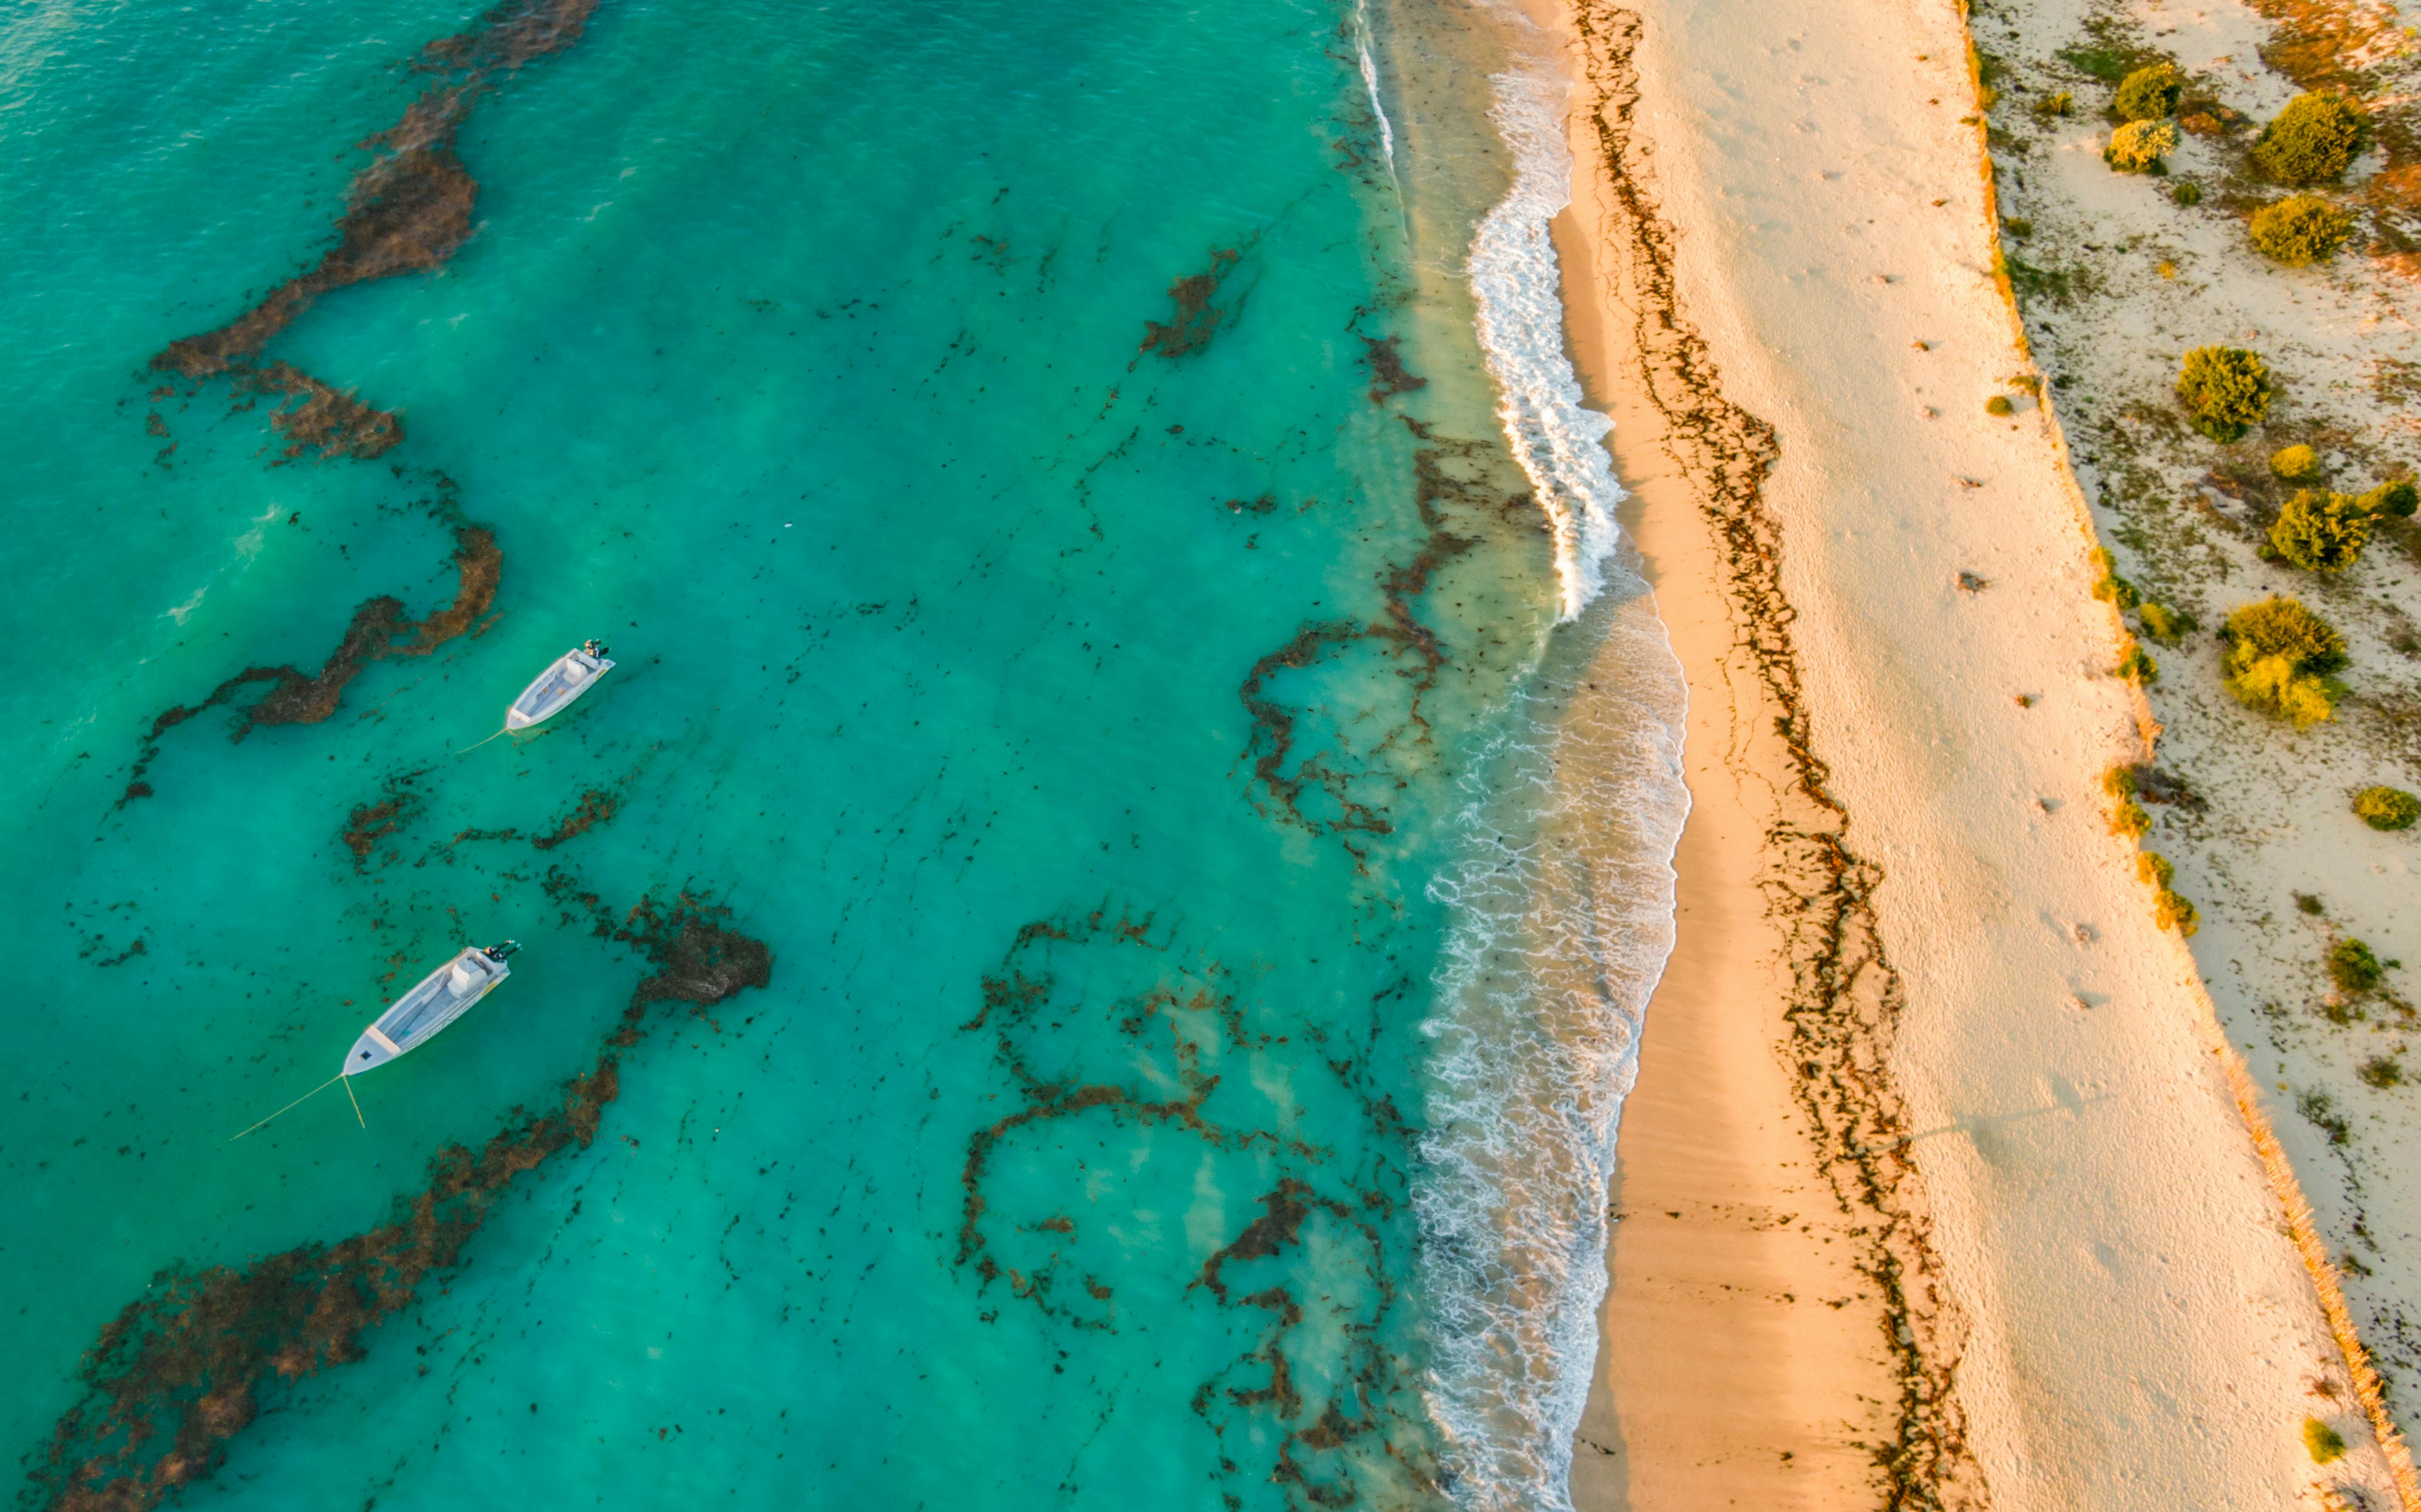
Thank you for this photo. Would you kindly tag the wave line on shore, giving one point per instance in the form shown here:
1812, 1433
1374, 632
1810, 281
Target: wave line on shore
1558, 441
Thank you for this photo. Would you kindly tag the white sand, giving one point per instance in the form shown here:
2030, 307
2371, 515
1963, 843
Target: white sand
2140, 1332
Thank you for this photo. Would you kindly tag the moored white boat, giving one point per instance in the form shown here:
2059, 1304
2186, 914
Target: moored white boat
574, 673
442, 996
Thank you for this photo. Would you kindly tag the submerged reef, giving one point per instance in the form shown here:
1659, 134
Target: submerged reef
184, 1369
1107, 1029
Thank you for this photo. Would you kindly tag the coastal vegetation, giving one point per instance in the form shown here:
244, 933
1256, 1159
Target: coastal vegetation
2163, 623
1998, 404
2280, 655
2321, 532
2170, 908
2300, 230
2386, 808
2128, 817
2323, 1443
2227, 390
2352, 967
2298, 463
2314, 140
2397, 497
2110, 588
2150, 93
2138, 146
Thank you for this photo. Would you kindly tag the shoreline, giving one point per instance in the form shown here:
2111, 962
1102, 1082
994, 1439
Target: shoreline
2032, 1115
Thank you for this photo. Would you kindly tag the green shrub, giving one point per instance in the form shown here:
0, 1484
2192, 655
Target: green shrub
2380, 1071
2062, 104
2278, 660
2397, 498
2296, 463
2298, 229
2135, 663
2321, 532
2386, 808
2164, 624
2352, 967
1998, 404
2171, 910
2139, 146
2312, 141
2188, 192
2150, 93
2110, 588
2321, 1440
2169, 907
2227, 388
2131, 819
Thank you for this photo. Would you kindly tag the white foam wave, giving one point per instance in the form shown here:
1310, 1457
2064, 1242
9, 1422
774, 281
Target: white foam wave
1559, 442
1561, 920
1370, 83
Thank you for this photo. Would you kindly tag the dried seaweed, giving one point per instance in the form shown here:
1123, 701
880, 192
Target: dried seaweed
596, 806
369, 823
379, 629
1389, 377
1195, 320
184, 1369
1347, 1431
1332, 790
1847, 997
410, 208
320, 418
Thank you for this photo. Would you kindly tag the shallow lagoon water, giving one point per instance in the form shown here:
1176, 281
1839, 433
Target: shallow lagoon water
1077, 680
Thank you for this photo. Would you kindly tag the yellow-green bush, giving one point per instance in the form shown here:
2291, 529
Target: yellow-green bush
2139, 145
2321, 1442
2397, 498
2163, 623
2352, 967
2300, 230
2227, 388
2315, 139
2297, 463
2387, 808
2150, 93
2278, 660
1998, 404
2170, 908
2110, 588
2321, 532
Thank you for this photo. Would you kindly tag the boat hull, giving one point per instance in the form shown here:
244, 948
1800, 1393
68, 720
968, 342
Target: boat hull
555, 689
437, 999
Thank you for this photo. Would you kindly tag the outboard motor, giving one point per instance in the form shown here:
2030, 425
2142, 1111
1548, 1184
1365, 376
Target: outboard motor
500, 952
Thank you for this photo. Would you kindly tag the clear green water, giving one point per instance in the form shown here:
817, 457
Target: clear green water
796, 354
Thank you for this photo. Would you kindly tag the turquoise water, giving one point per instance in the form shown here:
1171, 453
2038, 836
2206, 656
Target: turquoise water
1082, 726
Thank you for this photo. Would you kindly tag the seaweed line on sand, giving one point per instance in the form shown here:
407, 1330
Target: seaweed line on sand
180, 1371
1847, 998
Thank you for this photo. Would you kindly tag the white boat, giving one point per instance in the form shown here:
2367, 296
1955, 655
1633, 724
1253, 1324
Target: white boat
443, 996
574, 673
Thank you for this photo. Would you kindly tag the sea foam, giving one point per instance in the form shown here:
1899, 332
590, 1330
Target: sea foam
1559, 441
1561, 901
